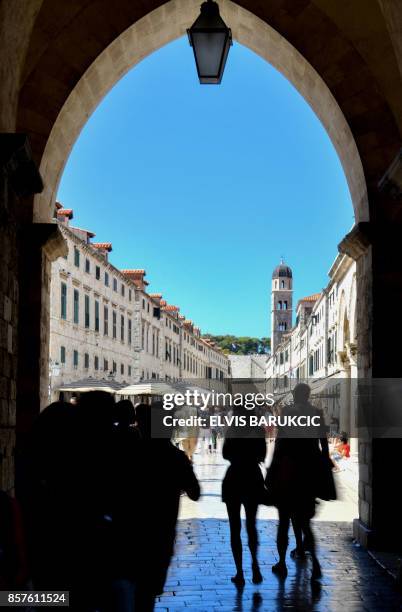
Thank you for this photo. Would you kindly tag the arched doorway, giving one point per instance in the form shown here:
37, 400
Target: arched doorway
325, 49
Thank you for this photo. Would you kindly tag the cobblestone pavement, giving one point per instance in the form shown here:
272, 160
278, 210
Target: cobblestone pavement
199, 576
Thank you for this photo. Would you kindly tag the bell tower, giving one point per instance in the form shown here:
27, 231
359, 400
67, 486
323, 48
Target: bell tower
281, 303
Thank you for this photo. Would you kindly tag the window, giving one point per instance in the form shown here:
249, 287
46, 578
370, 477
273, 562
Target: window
87, 265
115, 284
142, 335
143, 304
96, 315
86, 361
122, 328
76, 315
123, 290
285, 305
106, 279
97, 272
62, 354
75, 359
279, 305
130, 293
114, 317
282, 284
105, 365
63, 304
122, 369
96, 362
114, 367
129, 370
76, 257
105, 321
87, 319
130, 325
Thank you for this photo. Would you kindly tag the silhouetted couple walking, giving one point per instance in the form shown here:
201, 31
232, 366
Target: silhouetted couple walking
300, 473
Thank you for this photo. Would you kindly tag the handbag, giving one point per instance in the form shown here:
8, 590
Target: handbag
266, 493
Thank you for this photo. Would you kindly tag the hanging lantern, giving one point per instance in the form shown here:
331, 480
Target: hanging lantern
210, 38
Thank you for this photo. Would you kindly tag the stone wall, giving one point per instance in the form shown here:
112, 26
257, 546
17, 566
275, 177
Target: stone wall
248, 366
8, 332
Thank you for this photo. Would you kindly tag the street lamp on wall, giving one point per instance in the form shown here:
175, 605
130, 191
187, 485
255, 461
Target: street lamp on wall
210, 39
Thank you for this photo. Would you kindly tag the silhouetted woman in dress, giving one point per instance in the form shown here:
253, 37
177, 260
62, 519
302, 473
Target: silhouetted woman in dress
243, 485
299, 473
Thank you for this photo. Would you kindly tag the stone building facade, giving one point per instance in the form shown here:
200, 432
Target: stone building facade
104, 324
248, 366
321, 347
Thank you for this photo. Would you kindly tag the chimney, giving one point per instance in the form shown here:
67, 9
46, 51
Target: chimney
173, 310
63, 214
104, 248
188, 324
157, 297
137, 277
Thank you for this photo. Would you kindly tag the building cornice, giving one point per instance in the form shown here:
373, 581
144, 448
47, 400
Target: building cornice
357, 241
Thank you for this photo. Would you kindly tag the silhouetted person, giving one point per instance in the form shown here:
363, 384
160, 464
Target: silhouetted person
98, 460
79, 467
48, 497
123, 414
166, 472
243, 484
299, 473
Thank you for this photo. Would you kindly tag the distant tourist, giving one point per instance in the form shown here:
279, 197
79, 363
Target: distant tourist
187, 435
340, 452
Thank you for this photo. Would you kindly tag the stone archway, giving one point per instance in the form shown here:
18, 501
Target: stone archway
158, 28
345, 58
161, 26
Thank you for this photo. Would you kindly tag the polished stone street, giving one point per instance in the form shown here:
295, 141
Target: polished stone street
199, 576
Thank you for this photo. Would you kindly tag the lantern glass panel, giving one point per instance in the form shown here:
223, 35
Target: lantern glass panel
209, 49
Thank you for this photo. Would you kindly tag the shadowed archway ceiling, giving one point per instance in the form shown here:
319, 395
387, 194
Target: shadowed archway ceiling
347, 43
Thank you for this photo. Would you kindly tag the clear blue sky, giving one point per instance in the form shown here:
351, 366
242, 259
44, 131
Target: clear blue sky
207, 186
